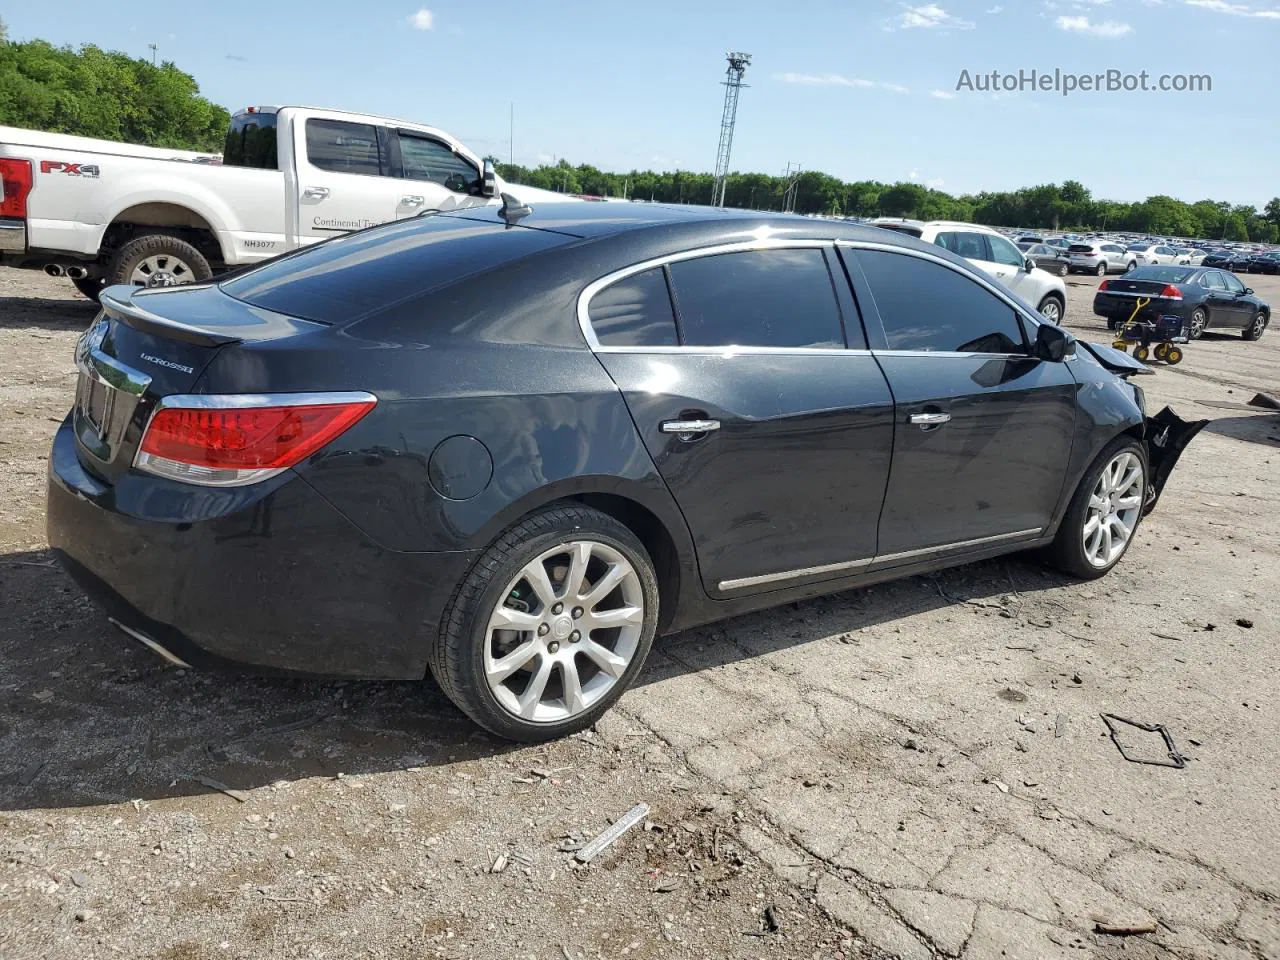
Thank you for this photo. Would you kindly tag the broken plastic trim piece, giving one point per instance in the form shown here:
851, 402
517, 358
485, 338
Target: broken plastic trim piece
1176, 759
1166, 436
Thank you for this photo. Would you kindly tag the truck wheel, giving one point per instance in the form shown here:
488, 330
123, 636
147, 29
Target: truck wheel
89, 286
158, 260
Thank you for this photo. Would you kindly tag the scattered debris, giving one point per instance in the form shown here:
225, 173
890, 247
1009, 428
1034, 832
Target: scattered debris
499, 864
84, 916
231, 792
1000, 785
667, 885
1060, 725
1123, 928
611, 835
79, 879
771, 924
1176, 759
1012, 695
1244, 622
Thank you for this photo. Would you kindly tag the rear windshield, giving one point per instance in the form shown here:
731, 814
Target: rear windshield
1161, 274
1080, 248
251, 141
361, 273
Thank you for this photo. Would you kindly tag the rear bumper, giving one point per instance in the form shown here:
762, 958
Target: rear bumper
13, 236
269, 579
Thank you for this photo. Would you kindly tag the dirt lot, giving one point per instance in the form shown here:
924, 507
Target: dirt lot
914, 770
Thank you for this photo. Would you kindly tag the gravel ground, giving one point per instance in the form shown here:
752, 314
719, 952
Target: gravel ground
914, 770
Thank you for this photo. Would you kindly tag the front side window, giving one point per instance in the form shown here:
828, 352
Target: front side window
635, 312
1002, 251
926, 306
757, 298
1213, 280
342, 147
426, 159
1233, 284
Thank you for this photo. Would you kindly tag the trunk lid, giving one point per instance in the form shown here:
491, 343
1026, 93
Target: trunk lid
1139, 288
150, 344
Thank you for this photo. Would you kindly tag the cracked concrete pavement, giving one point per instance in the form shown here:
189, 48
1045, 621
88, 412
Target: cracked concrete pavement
922, 763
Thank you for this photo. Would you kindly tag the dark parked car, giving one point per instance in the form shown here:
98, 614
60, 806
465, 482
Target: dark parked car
1046, 257
509, 447
1207, 298
1227, 260
1268, 262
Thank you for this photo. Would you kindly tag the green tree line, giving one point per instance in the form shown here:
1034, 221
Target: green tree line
105, 94
1051, 206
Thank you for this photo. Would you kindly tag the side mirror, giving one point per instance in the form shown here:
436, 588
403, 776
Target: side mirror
1029, 264
1248, 290
489, 180
1053, 343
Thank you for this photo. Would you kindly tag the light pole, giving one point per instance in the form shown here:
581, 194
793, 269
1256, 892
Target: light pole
153, 47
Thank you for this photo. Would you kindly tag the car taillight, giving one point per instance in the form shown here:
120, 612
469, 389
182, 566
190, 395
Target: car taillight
1105, 285
230, 441
1170, 292
15, 184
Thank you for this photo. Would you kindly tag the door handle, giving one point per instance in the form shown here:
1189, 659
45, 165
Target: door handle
927, 420
412, 201
315, 193
689, 429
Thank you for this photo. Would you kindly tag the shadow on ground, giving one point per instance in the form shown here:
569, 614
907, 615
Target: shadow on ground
1255, 429
88, 716
70, 314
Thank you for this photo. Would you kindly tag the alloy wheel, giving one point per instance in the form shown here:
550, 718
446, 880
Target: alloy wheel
565, 633
1115, 506
1051, 311
161, 270
1199, 320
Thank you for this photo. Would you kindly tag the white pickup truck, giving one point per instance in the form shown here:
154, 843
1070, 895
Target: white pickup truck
102, 213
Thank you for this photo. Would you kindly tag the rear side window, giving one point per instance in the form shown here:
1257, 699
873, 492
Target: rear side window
426, 159
758, 298
635, 312
251, 142
361, 273
1080, 248
926, 306
971, 246
342, 147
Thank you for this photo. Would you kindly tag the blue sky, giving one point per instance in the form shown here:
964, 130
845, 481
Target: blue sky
861, 90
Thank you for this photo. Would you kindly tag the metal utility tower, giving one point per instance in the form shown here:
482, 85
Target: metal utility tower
792, 180
738, 63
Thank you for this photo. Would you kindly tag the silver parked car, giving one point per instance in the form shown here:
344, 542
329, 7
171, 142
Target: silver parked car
1098, 258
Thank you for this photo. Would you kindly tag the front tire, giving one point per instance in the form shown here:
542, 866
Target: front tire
550, 627
1063, 271
1133, 265
1104, 513
1053, 309
1102, 270
158, 260
1256, 326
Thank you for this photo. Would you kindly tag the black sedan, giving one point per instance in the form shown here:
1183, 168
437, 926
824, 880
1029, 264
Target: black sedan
1227, 260
509, 447
1268, 262
1207, 299
1047, 257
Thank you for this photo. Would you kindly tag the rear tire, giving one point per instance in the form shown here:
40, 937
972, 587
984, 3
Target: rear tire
1068, 552
1133, 265
1062, 271
1053, 309
1199, 323
90, 287
497, 614
160, 260
1102, 270
1256, 326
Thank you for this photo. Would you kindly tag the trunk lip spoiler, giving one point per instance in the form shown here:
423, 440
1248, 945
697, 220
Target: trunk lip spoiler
118, 301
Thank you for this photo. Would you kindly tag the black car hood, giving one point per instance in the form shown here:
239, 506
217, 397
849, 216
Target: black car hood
1117, 361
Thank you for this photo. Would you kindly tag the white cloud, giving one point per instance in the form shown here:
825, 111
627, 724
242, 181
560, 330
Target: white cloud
994, 10
930, 16
424, 19
1109, 29
838, 80
1235, 9
942, 94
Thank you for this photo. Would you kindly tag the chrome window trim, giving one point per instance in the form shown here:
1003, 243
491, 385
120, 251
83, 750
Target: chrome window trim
741, 246
852, 565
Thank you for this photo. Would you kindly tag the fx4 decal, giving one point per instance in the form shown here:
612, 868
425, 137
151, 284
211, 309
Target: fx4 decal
71, 169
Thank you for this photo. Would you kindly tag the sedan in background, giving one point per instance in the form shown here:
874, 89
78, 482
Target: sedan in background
1047, 257
1098, 258
1189, 256
1149, 254
1268, 262
1208, 299
1227, 259
511, 446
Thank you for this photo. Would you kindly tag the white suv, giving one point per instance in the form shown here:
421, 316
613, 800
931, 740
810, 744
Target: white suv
994, 254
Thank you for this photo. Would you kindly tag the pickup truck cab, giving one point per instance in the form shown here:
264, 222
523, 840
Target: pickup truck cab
103, 213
